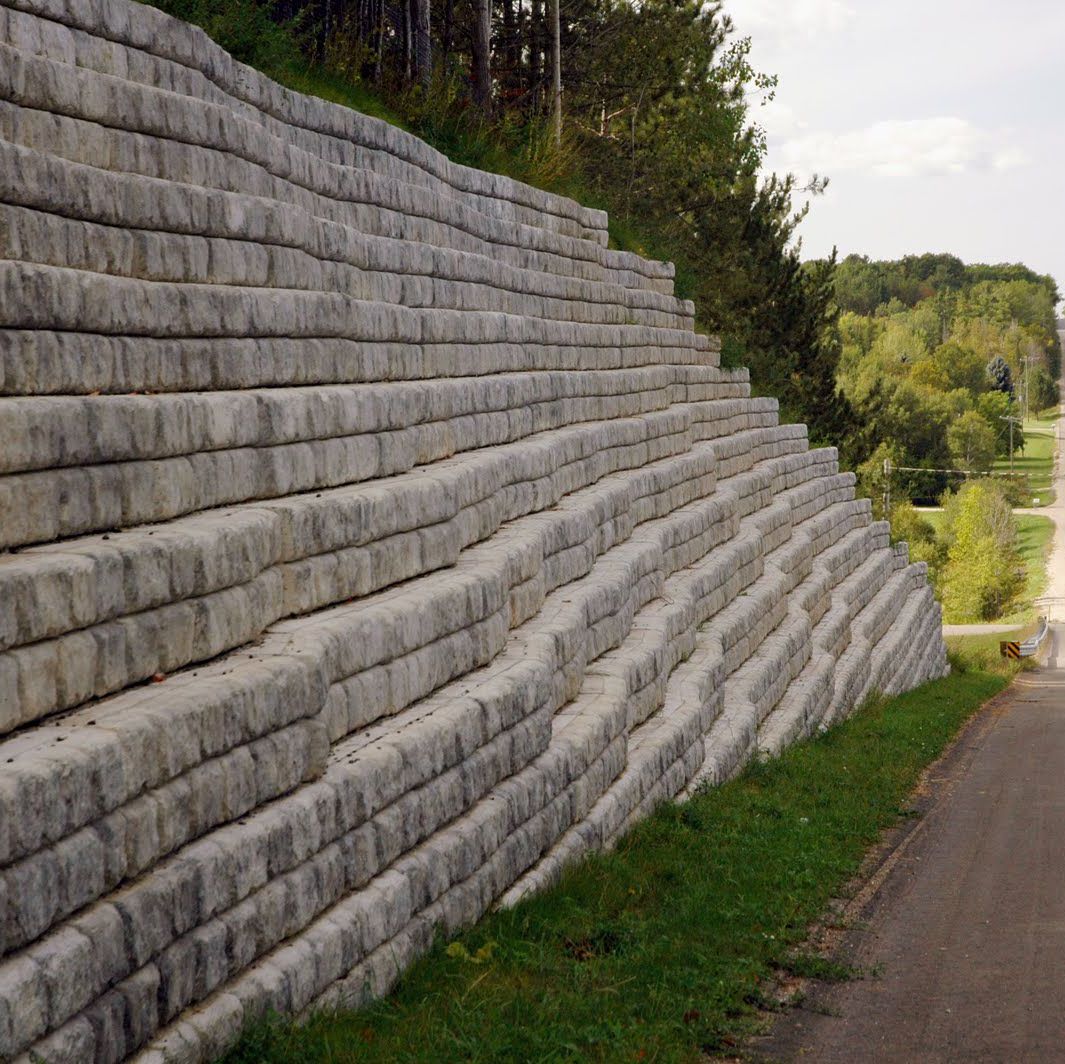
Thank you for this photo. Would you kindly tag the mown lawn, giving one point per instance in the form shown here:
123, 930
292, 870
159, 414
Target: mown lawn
658, 950
1033, 540
1037, 459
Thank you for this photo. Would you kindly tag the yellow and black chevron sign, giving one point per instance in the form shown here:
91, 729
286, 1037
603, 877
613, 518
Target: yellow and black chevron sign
1010, 650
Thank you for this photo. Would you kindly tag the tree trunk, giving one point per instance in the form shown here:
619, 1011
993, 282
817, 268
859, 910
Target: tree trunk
448, 32
408, 41
536, 67
507, 77
423, 56
380, 42
521, 66
556, 70
482, 43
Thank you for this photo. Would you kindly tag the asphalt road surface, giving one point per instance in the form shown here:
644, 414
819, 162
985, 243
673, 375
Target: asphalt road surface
963, 937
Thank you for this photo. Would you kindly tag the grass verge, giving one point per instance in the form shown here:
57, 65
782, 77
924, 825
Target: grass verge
1033, 541
1036, 460
657, 951
981, 653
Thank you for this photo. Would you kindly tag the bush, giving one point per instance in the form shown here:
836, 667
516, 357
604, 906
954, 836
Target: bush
908, 526
983, 570
1043, 390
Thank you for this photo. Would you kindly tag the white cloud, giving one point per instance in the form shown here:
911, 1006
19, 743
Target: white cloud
779, 119
902, 148
789, 18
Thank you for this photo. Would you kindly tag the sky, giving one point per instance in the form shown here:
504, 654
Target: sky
939, 123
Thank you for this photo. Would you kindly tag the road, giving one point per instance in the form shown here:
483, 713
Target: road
963, 929
1053, 602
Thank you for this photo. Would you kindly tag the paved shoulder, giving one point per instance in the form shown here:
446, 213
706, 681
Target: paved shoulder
979, 629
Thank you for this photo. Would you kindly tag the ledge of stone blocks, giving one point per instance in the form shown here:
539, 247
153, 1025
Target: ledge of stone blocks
452, 547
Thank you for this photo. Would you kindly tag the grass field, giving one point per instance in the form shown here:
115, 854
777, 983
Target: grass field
660, 950
1037, 458
981, 652
1033, 539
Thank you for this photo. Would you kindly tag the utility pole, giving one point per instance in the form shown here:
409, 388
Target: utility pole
1013, 421
1026, 359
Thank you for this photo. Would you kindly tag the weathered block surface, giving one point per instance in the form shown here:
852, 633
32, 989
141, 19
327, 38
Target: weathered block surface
455, 546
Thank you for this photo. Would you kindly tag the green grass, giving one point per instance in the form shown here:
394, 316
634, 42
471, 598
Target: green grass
323, 83
933, 517
660, 950
981, 652
1033, 540
1037, 458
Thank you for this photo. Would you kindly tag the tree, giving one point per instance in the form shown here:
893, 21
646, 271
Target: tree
1043, 392
874, 483
556, 71
938, 346
909, 527
972, 442
423, 53
984, 570
481, 48
998, 372
963, 367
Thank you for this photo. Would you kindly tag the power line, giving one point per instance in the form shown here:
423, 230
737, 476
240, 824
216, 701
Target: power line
964, 472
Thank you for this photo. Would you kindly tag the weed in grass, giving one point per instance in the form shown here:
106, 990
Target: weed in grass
811, 966
821, 1009
981, 654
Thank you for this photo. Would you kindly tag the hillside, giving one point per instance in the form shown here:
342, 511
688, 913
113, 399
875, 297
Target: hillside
935, 355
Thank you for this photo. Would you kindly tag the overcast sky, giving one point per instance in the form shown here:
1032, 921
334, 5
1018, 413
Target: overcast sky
938, 122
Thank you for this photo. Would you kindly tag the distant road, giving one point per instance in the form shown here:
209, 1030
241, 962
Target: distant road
1053, 602
978, 629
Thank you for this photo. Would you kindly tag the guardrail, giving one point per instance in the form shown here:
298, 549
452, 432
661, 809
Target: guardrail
1025, 648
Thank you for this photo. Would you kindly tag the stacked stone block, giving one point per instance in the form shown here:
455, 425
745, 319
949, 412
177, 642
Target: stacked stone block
448, 543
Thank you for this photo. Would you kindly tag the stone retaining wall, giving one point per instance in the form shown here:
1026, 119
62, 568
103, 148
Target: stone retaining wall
449, 545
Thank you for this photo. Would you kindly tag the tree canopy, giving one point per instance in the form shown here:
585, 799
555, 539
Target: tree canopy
936, 355
658, 111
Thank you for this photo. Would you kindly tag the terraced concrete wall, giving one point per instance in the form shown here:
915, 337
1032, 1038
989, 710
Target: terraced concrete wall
453, 547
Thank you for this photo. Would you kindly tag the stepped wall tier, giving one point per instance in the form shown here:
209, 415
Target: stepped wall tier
374, 540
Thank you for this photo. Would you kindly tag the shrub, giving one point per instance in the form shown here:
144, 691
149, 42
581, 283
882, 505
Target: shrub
983, 570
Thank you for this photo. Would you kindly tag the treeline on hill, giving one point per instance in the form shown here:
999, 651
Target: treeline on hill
641, 108
935, 356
